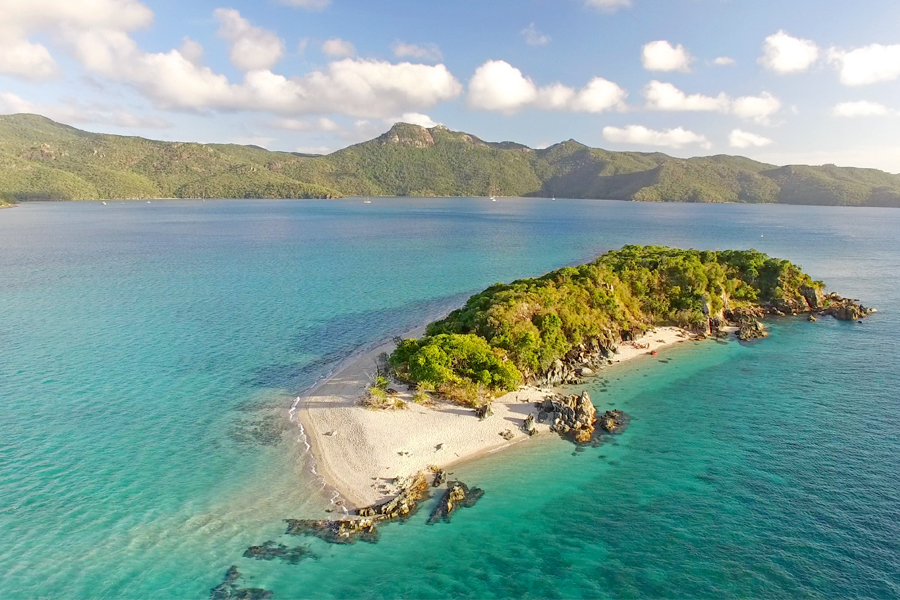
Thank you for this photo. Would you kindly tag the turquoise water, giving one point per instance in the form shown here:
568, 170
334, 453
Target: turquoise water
148, 353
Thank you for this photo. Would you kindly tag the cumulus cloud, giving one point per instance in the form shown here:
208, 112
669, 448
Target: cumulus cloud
862, 108
724, 61
607, 5
533, 37
498, 86
429, 52
74, 113
640, 135
322, 124
338, 48
785, 54
743, 139
757, 108
252, 48
866, 65
25, 59
308, 4
415, 119
667, 97
663, 56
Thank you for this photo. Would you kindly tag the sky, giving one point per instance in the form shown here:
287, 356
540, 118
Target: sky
781, 81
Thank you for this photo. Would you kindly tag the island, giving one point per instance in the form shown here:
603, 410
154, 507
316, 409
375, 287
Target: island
490, 373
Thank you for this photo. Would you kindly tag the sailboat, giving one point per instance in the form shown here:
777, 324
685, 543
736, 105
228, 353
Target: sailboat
367, 201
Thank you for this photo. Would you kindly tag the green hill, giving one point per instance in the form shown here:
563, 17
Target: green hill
41, 159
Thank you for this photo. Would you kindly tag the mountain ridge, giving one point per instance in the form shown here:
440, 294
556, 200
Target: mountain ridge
44, 160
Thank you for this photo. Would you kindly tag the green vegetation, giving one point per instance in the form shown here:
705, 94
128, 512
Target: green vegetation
516, 330
40, 159
379, 397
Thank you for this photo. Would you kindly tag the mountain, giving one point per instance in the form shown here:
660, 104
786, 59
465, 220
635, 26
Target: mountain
41, 159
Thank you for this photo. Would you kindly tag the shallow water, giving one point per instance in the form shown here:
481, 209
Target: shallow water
147, 354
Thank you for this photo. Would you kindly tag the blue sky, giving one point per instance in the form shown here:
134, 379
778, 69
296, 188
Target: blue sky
796, 81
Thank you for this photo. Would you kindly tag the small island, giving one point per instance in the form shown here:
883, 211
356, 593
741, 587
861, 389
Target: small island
489, 374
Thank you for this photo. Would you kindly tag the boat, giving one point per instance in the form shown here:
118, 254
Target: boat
367, 201
493, 199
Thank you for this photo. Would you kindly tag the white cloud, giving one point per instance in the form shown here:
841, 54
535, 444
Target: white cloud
607, 5
322, 124
743, 139
22, 58
97, 34
533, 37
252, 48
640, 135
313, 150
869, 64
662, 56
338, 48
415, 119
667, 97
308, 4
862, 108
724, 61
757, 108
191, 50
498, 86
429, 52
785, 54
75, 113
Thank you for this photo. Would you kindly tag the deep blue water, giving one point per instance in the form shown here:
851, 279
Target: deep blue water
148, 351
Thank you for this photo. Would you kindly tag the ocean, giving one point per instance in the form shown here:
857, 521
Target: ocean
149, 354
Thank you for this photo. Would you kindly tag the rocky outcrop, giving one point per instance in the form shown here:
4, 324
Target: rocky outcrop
814, 297
458, 495
845, 309
345, 531
484, 411
752, 330
348, 531
229, 590
403, 505
581, 361
570, 415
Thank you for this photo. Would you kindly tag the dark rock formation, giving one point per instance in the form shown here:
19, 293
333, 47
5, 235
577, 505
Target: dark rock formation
528, 426
457, 495
440, 477
484, 411
571, 415
845, 309
346, 531
612, 421
403, 505
229, 590
814, 297
752, 330
270, 551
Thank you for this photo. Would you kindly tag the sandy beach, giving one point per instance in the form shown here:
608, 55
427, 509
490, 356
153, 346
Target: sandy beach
364, 453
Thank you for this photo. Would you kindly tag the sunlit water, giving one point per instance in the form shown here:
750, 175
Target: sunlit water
148, 354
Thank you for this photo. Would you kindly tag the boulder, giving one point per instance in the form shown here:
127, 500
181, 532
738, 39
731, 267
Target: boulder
484, 411
458, 495
814, 297
528, 426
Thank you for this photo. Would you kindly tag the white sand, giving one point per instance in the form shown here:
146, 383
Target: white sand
360, 452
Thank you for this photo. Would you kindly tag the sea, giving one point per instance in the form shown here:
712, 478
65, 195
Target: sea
150, 354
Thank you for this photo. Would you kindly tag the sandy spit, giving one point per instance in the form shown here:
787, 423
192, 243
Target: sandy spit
363, 453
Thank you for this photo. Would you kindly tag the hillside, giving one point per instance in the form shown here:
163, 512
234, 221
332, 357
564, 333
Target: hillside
41, 159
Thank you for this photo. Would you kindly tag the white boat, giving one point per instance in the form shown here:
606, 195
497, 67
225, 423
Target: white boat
367, 201
493, 199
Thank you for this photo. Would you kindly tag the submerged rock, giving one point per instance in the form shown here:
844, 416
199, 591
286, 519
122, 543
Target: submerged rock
229, 590
270, 551
457, 495
613, 421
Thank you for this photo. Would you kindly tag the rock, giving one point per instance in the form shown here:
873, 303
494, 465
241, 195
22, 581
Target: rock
270, 551
613, 421
346, 531
484, 411
439, 478
585, 372
751, 330
814, 297
457, 495
542, 416
507, 435
229, 590
811, 318
529, 424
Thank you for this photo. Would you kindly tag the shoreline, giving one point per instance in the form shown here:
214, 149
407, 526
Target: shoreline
364, 455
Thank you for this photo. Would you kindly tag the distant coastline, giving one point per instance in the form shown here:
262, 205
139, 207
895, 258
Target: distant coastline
45, 160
